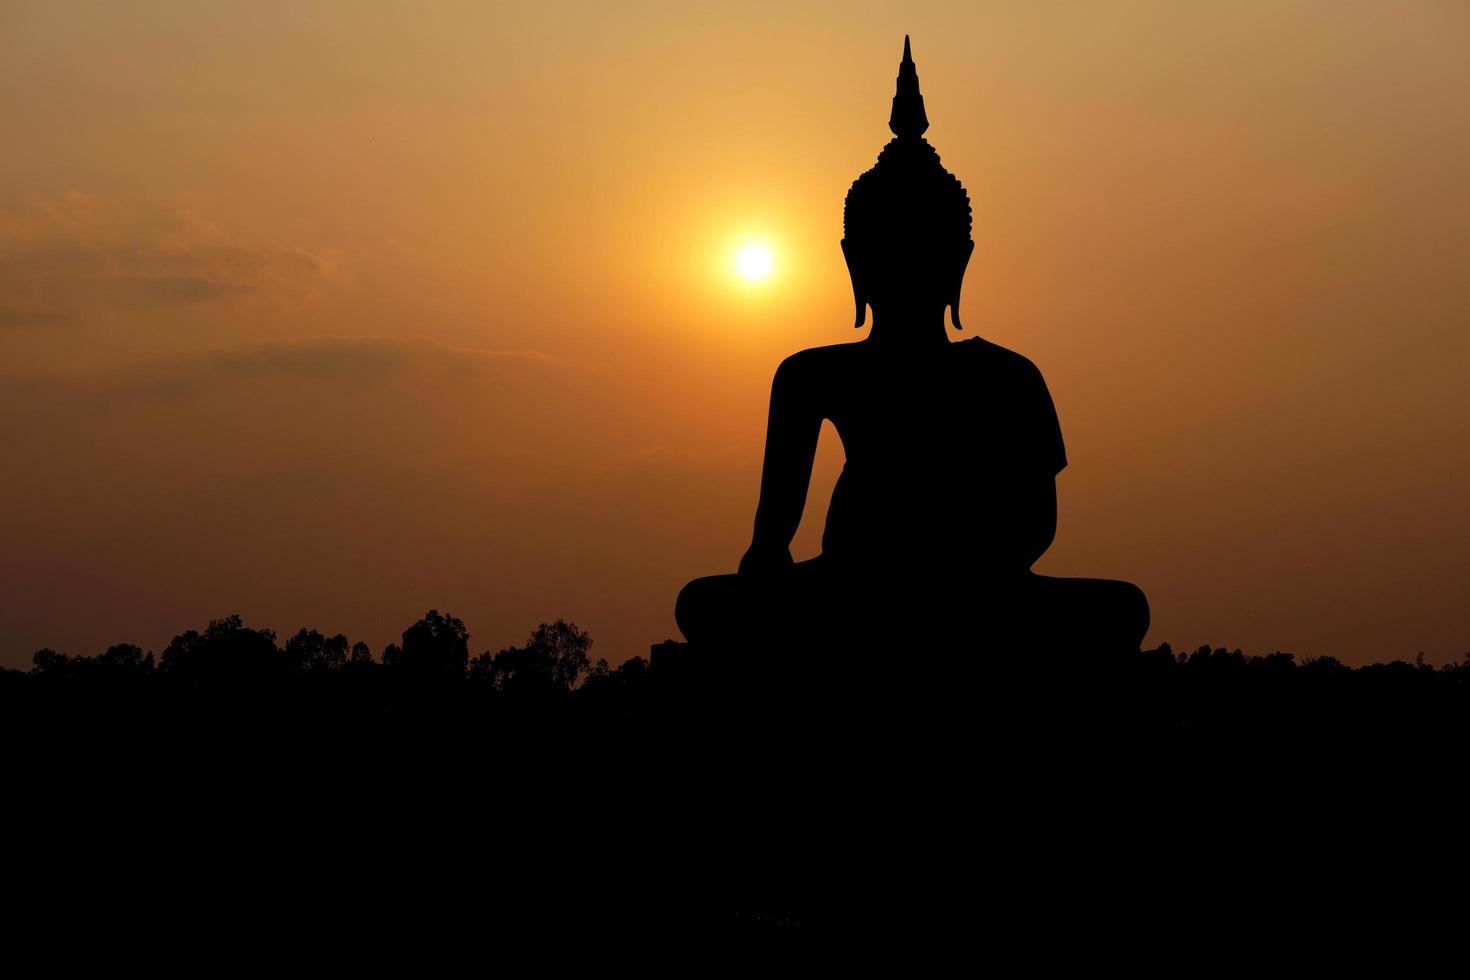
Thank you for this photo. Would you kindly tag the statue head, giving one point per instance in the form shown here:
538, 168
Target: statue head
906, 224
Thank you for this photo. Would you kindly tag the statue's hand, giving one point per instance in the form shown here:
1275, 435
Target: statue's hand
759, 560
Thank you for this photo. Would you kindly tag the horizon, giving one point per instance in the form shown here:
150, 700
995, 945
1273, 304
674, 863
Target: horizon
329, 317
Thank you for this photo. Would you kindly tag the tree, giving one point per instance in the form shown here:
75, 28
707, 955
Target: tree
568, 648
228, 651
482, 670
48, 661
553, 660
126, 656
310, 650
436, 646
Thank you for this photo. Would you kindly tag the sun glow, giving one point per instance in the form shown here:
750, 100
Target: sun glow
754, 262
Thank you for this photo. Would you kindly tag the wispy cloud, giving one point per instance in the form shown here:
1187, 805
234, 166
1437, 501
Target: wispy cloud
76, 253
19, 316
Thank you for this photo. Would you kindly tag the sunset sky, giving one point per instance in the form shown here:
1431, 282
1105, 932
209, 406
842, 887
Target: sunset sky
332, 313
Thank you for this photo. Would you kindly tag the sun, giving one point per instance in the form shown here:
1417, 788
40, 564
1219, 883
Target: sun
754, 262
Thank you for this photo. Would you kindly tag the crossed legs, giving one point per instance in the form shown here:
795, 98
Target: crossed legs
812, 602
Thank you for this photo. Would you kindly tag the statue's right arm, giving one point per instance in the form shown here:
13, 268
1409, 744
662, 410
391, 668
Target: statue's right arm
791, 444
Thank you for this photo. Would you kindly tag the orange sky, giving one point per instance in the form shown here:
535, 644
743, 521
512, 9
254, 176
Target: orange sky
328, 314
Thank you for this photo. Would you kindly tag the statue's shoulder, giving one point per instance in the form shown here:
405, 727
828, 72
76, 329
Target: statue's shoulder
819, 358
994, 358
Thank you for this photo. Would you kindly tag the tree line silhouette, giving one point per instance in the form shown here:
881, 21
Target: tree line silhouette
434, 648
761, 793
1207, 689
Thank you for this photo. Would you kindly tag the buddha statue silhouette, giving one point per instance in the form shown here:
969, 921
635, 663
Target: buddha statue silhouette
948, 491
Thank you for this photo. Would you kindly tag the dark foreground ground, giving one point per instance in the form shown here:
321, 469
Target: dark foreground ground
241, 799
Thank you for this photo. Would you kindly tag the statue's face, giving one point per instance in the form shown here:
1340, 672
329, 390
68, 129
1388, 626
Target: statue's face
906, 273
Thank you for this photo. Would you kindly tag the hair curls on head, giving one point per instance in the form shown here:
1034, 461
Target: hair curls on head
908, 198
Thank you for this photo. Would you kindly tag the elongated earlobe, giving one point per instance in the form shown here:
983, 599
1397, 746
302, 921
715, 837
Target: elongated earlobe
959, 280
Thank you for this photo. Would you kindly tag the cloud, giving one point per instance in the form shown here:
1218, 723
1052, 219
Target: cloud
355, 357
163, 290
75, 255
15, 316
265, 377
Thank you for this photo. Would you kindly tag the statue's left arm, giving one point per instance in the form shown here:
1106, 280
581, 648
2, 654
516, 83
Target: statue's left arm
791, 445
1025, 538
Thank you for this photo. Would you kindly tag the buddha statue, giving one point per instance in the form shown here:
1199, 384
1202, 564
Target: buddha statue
947, 495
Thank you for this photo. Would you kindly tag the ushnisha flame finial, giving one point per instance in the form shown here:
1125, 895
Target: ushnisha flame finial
907, 203
907, 120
